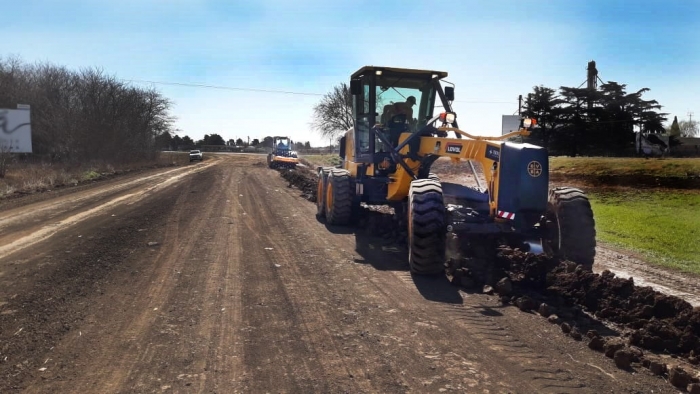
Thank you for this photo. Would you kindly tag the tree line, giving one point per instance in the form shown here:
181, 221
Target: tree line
173, 141
85, 115
582, 121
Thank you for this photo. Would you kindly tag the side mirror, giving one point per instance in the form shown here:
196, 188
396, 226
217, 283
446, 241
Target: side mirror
450, 93
355, 87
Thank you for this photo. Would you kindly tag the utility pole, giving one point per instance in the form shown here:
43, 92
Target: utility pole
520, 103
690, 117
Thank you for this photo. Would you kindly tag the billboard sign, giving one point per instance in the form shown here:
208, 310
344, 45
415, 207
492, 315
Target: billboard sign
15, 130
509, 123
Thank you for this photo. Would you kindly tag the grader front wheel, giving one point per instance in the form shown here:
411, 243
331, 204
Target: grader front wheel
338, 197
426, 227
321, 192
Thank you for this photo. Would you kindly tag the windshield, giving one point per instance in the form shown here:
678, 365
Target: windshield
283, 143
412, 97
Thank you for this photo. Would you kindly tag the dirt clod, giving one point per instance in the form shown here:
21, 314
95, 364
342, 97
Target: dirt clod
623, 358
526, 304
504, 286
637, 354
565, 328
576, 334
657, 368
613, 346
679, 377
554, 319
487, 290
596, 343
545, 310
694, 388
592, 334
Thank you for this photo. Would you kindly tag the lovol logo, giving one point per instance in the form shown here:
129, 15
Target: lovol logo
453, 148
493, 153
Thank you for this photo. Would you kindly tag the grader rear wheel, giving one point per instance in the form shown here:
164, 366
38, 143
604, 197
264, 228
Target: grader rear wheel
426, 227
571, 226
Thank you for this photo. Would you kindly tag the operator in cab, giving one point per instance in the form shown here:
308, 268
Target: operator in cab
400, 108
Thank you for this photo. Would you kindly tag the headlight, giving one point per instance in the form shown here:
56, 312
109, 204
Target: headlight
527, 122
448, 117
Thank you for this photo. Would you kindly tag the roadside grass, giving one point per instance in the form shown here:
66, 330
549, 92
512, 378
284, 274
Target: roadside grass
327, 160
624, 166
28, 178
662, 225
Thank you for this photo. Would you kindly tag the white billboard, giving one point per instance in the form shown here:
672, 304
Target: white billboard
509, 123
16, 130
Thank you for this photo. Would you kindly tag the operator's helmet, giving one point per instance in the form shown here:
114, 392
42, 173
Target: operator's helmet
411, 100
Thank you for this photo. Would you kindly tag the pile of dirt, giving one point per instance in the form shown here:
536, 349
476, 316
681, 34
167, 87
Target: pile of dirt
650, 319
304, 179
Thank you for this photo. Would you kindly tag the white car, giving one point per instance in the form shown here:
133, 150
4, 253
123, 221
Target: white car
196, 155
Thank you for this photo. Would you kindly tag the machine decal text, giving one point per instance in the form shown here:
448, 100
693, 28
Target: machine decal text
493, 153
453, 148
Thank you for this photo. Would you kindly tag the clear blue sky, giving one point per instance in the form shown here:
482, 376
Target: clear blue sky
494, 50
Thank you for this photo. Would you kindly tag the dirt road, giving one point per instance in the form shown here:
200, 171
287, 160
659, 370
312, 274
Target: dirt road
217, 277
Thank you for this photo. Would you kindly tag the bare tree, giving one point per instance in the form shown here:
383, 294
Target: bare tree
85, 115
333, 114
689, 128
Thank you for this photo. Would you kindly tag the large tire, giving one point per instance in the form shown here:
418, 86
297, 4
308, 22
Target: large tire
426, 227
571, 226
338, 196
321, 192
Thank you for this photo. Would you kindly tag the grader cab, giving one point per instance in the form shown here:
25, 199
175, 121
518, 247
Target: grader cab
387, 158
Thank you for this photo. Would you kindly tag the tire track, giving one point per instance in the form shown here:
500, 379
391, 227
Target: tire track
309, 327
136, 338
373, 313
532, 365
70, 212
503, 347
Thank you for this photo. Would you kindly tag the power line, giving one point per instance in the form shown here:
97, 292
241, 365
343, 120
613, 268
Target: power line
220, 87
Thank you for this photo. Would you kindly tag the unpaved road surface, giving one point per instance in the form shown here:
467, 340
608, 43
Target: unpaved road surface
218, 278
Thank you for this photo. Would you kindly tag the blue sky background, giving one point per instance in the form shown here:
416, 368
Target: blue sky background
493, 50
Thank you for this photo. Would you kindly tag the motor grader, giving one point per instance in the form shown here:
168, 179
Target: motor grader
387, 157
282, 155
